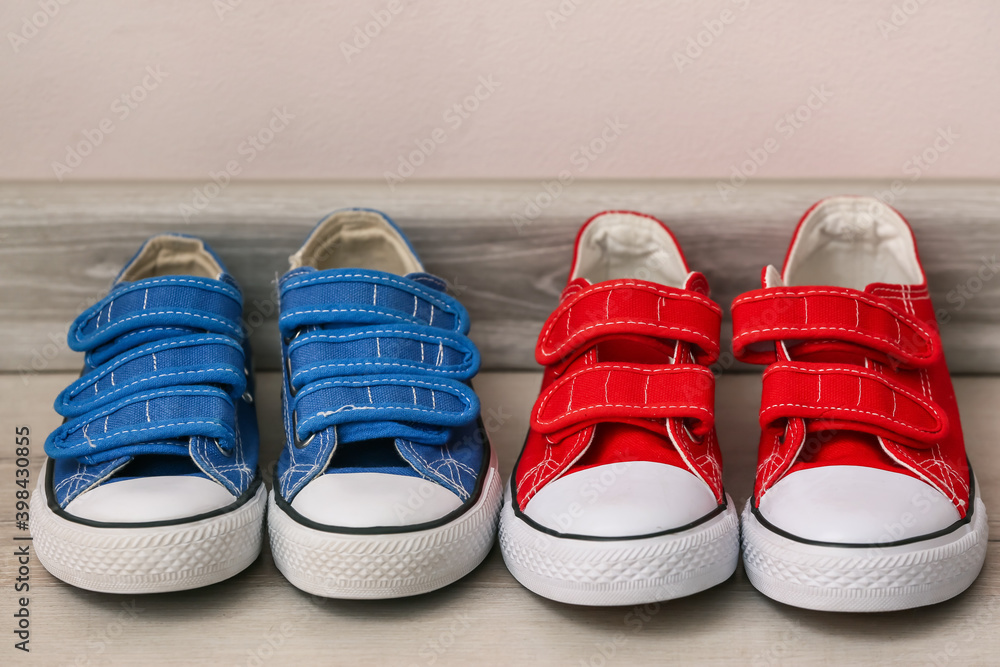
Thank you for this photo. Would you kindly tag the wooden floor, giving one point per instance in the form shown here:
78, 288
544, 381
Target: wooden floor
257, 618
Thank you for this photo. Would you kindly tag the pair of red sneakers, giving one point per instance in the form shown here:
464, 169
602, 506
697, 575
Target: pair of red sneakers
863, 500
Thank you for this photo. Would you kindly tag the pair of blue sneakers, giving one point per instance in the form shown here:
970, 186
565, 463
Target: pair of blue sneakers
386, 486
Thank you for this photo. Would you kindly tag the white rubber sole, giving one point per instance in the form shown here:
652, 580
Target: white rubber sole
156, 559
620, 572
385, 565
864, 579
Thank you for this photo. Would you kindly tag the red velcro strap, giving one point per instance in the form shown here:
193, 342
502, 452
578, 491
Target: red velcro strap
812, 313
850, 397
618, 307
616, 392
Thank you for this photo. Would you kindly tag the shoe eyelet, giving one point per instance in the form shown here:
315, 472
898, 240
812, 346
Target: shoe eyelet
784, 433
299, 444
227, 454
247, 396
291, 387
691, 436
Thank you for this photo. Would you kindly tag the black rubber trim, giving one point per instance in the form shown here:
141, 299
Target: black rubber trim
595, 538
50, 496
874, 545
280, 501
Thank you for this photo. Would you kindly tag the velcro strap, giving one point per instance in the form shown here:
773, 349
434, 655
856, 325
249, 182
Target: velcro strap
143, 418
173, 301
850, 397
317, 355
188, 360
387, 398
811, 313
630, 307
614, 392
365, 297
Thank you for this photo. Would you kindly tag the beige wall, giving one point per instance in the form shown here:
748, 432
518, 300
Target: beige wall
175, 90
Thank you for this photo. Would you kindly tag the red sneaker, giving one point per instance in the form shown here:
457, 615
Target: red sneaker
864, 499
617, 496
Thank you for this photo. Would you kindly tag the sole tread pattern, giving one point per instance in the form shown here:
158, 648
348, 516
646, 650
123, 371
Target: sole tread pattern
863, 579
389, 565
148, 559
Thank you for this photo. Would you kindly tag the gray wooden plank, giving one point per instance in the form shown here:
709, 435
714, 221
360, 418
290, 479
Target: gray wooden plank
257, 618
60, 245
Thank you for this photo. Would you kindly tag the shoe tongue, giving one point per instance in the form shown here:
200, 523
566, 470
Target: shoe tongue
696, 282
831, 352
615, 442
636, 439
693, 282
771, 277
840, 446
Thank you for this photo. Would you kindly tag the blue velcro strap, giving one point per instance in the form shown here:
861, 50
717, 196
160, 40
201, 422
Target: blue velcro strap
394, 349
174, 301
438, 403
353, 296
187, 360
122, 428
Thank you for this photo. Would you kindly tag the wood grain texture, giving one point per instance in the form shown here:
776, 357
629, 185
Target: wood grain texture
61, 245
487, 618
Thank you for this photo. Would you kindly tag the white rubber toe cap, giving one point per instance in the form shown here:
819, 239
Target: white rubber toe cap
856, 505
622, 500
146, 499
370, 499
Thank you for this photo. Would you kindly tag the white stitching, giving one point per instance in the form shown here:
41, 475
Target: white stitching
870, 336
141, 430
454, 391
918, 327
663, 327
865, 412
162, 375
351, 408
368, 333
208, 391
571, 302
554, 389
293, 312
215, 286
882, 380
225, 323
406, 287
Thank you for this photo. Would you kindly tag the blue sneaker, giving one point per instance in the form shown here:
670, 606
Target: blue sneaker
387, 485
151, 484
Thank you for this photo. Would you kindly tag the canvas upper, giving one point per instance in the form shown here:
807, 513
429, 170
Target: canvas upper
861, 438
622, 440
381, 421
160, 425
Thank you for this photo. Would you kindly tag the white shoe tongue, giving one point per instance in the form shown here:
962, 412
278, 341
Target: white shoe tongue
696, 282
772, 277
